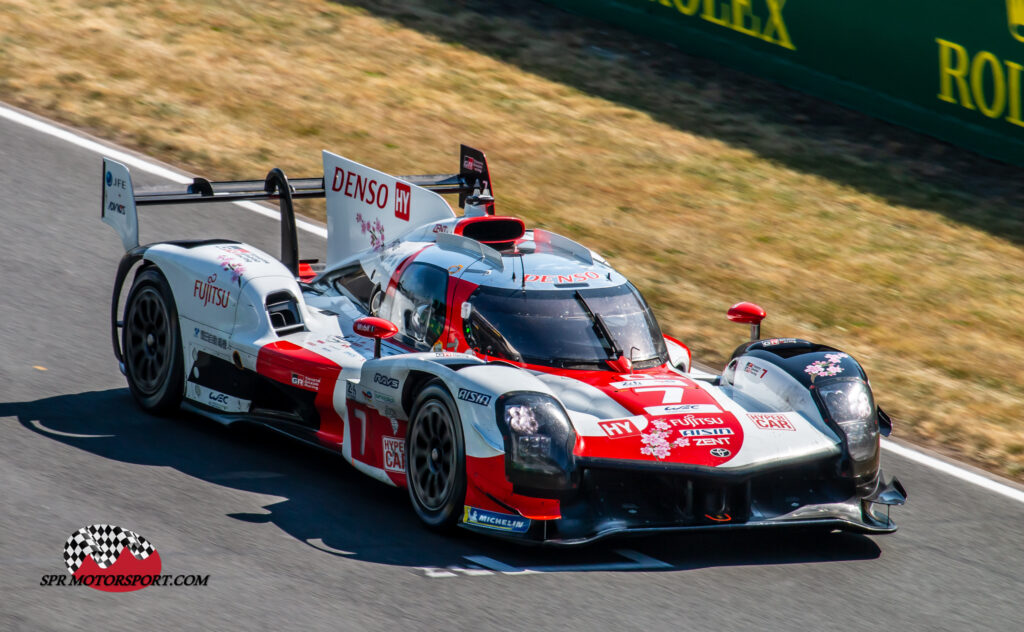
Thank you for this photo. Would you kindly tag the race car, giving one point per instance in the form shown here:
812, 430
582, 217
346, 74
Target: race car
509, 378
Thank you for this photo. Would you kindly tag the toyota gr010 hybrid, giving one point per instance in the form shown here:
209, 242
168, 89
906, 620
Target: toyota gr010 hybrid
509, 378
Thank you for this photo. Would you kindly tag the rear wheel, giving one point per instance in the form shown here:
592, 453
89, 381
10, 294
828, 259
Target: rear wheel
435, 463
152, 344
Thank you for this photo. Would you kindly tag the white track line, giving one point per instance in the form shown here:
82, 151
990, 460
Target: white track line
954, 470
135, 162
147, 166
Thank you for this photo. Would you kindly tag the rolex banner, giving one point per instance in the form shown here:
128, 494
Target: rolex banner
950, 68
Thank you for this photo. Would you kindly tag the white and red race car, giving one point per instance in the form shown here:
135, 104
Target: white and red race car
511, 379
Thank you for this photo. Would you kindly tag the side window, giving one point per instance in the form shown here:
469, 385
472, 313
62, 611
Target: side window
418, 305
353, 283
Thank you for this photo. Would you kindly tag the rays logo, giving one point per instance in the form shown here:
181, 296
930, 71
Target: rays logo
107, 557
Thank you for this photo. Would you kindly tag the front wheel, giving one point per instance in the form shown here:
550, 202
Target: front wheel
152, 344
435, 464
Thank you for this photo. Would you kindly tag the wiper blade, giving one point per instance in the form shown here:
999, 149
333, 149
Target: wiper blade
601, 329
567, 363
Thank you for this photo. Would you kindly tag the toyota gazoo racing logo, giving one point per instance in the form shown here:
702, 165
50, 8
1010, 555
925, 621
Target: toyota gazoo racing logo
112, 559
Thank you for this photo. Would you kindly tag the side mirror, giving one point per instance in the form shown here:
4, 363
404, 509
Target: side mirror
678, 354
376, 328
884, 423
748, 313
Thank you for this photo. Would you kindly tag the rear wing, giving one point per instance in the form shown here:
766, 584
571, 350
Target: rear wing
120, 200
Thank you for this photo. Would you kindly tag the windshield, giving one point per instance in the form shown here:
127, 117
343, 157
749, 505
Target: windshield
566, 329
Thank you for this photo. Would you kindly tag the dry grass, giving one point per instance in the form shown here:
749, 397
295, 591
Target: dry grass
704, 185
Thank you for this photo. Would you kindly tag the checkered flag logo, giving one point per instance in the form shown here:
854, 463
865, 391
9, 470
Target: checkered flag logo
104, 543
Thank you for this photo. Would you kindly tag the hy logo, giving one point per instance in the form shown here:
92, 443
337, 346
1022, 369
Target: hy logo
104, 556
403, 200
1015, 18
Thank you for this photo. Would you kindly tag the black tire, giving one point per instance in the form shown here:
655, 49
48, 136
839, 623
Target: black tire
435, 458
152, 344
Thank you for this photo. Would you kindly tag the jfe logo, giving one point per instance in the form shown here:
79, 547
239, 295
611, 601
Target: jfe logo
115, 182
403, 200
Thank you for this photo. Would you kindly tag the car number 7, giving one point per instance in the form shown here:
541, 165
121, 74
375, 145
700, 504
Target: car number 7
672, 394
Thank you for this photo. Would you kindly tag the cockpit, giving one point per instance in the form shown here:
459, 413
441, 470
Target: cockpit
571, 329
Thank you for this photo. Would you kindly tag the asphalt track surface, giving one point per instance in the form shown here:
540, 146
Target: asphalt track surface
293, 538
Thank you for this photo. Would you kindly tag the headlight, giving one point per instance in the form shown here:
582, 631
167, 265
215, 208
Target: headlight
539, 436
850, 405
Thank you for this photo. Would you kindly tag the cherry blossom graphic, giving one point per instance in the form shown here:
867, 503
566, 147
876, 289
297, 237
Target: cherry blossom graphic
375, 228
827, 367
232, 265
656, 441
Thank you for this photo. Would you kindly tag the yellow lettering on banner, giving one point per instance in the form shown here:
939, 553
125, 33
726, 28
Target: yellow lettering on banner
995, 110
1013, 73
740, 16
709, 14
777, 25
947, 73
687, 9
740, 12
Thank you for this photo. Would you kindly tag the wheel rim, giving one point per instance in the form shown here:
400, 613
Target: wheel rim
148, 340
432, 455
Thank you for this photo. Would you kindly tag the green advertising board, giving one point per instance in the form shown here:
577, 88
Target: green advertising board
950, 68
